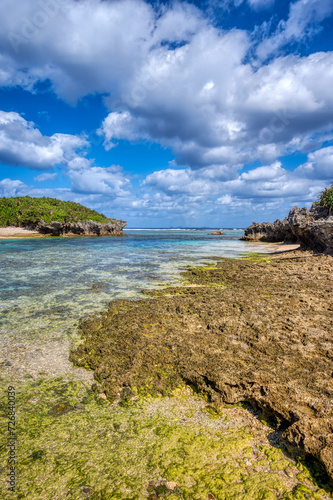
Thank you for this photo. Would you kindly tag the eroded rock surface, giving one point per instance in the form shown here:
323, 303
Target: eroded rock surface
256, 331
311, 228
114, 227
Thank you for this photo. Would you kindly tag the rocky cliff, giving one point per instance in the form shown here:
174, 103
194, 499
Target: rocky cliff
113, 228
311, 228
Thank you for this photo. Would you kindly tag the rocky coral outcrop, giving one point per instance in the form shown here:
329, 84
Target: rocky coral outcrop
311, 228
248, 330
114, 228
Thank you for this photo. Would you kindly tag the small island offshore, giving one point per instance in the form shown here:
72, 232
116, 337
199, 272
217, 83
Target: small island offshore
26, 216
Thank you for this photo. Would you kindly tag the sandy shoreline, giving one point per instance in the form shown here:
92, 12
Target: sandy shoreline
11, 233
272, 248
17, 232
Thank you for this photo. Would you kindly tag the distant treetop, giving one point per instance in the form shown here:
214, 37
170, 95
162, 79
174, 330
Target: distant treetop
28, 211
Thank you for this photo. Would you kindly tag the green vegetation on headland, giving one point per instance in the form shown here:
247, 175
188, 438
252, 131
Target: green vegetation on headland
27, 211
326, 198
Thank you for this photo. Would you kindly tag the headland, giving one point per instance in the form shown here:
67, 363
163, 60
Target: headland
27, 217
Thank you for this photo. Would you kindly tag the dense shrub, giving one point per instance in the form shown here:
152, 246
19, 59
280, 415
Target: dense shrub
326, 198
24, 211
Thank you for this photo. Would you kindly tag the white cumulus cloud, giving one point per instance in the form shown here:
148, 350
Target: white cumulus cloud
91, 179
45, 177
21, 143
319, 165
303, 21
10, 187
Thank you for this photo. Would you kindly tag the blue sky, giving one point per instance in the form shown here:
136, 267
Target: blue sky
210, 113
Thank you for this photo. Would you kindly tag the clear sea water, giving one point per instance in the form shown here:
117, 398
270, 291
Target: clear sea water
47, 285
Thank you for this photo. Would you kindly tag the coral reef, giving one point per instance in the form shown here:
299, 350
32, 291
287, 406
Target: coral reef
255, 330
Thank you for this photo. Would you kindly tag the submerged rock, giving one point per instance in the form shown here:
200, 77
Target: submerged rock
311, 228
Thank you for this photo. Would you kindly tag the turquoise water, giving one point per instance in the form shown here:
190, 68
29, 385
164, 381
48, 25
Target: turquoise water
67, 269
47, 285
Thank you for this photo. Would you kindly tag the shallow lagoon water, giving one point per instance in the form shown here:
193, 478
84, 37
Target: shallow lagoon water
72, 277
48, 284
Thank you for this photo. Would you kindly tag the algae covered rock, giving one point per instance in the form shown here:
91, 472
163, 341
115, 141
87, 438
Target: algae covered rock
156, 448
248, 330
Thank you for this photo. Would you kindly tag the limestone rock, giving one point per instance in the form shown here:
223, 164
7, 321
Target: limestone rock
114, 228
249, 330
311, 228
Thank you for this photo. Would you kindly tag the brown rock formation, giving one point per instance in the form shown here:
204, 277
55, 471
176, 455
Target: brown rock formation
245, 331
311, 228
113, 228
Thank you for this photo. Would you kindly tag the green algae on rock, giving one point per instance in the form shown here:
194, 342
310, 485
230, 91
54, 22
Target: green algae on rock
247, 330
73, 444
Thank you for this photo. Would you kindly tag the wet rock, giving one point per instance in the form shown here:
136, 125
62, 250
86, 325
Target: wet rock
161, 488
285, 323
126, 394
171, 485
87, 491
217, 232
60, 409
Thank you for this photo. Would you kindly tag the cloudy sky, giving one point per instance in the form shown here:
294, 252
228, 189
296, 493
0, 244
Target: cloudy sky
202, 113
